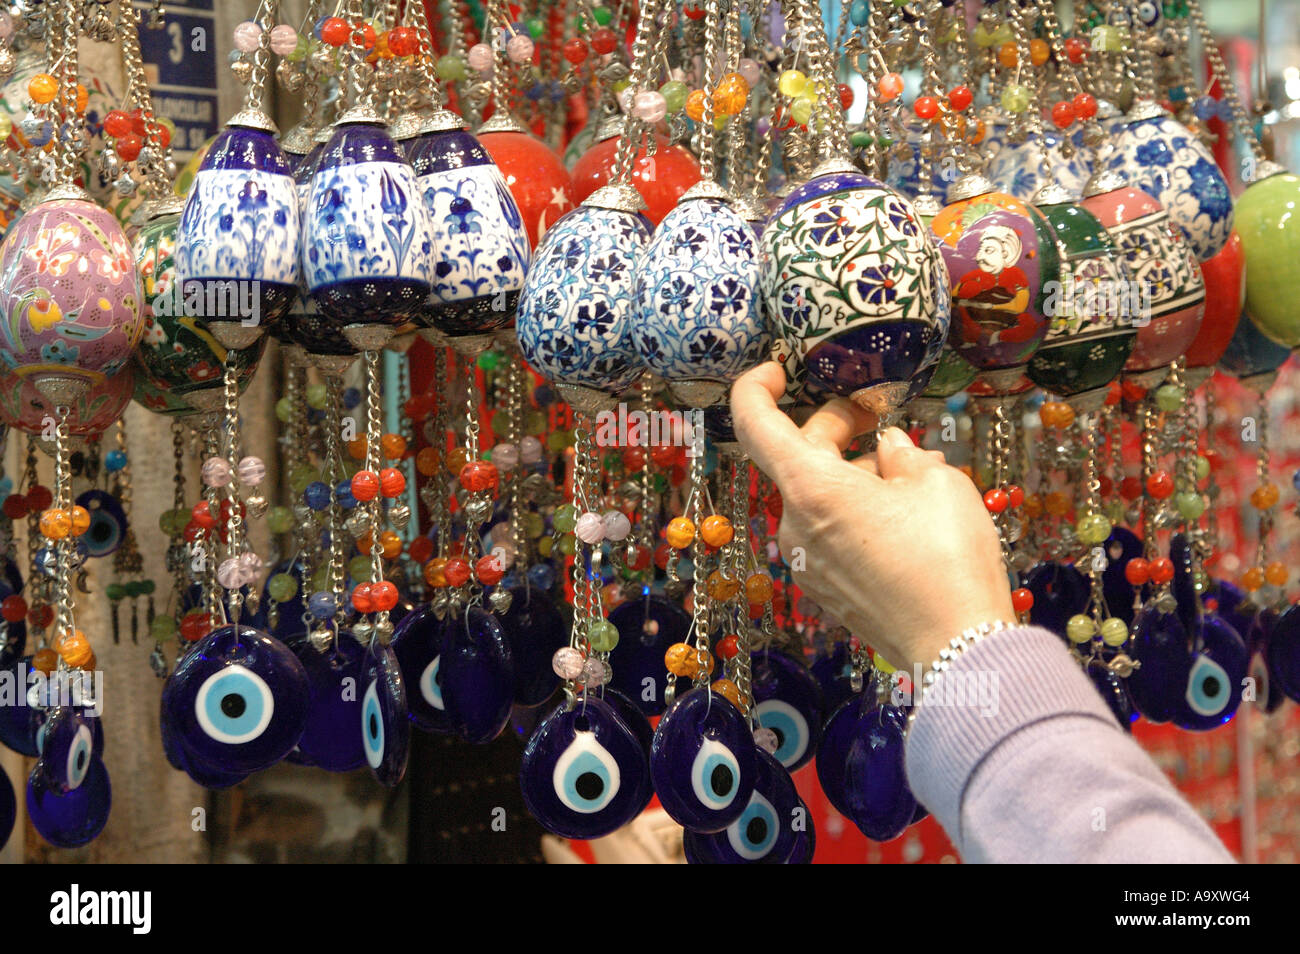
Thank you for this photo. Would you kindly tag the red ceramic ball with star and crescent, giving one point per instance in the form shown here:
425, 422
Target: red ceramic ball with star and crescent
536, 177
661, 179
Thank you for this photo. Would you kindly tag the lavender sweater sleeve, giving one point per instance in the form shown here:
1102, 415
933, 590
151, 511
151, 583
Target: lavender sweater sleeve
1034, 768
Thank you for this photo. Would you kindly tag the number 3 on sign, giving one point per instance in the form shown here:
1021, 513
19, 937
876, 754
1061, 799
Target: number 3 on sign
177, 50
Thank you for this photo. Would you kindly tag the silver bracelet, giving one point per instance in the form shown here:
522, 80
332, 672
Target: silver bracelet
956, 646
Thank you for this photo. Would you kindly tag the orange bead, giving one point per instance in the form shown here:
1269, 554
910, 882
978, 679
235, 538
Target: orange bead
1033, 506
456, 460
433, 572
45, 660
390, 545
730, 95
680, 533
1038, 51
1253, 578
721, 587
1057, 503
357, 448
758, 588
42, 88
977, 134
1264, 496
890, 85
729, 690
393, 446
83, 99
75, 649
427, 461
80, 521
55, 524
716, 530
1276, 573
695, 105
681, 659
1009, 54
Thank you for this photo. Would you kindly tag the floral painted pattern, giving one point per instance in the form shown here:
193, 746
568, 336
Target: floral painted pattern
239, 224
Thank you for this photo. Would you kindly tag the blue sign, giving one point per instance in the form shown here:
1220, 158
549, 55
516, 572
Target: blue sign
180, 64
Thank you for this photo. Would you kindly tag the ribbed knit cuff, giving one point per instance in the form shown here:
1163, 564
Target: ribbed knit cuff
1006, 682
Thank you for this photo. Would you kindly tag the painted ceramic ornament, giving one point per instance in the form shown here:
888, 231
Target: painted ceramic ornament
332, 738
367, 238
583, 772
702, 761
698, 324
1251, 355
91, 411
1163, 158
765, 833
647, 626
237, 701
536, 177
855, 287
952, 373
1225, 294
304, 323
385, 723
535, 629
1270, 241
74, 818
108, 523
1169, 288
788, 701
178, 354
1000, 254
1090, 333
1017, 168
238, 238
577, 310
661, 179
481, 247
69, 293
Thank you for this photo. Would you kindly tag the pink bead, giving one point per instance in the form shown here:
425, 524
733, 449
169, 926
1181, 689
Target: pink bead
567, 663
766, 740
480, 57
750, 70
649, 106
251, 471
590, 528
617, 525
530, 450
247, 35
250, 566
595, 672
216, 472
506, 457
229, 574
520, 48
626, 99
284, 39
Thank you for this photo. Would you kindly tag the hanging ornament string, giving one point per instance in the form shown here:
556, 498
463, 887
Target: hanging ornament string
1241, 123
264, 18
646, 30
68, 122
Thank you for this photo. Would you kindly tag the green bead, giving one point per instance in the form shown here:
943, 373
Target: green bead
320, 578
115, 591
280, 519
1092, 528
674, 94
801, 111
534, 525
603, 636
948, 35
1202, 467
486, 455
861, 140
1106, 39
1114, 632
283, 410
162, 628
535, 422
172, 522
132, 588
300, 50
1190, 505
1170, 397
451, 67
1114, 511
536, 28
1003, 34
488, 360
500, 424
619, 85
544, 546
567, 544
359, 568
884, 141
602, 15
1015, 98
317, 396
147, 587
661, 483
282, 587
300, 477
555, 441
1080, 628
983, 35
566, 518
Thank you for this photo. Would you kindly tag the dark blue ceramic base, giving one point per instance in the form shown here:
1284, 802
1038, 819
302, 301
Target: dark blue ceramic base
273, 303
371, 301
474, 316
882, 352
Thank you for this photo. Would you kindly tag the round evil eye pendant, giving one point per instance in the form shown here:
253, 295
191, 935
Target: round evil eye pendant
333, 739
385, 726
788, 701
584, 772
72, 818
67, 744
767, 831
702, 761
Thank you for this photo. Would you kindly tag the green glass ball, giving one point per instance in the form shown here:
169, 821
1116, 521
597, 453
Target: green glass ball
359, 568
1080, 628
162, 628
1114, 632
1191, 505
603, 636
451, 67
317, 396
1170, 397
566, 518
282, 587
280, 519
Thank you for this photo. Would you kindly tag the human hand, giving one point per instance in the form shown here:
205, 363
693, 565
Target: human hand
896, 544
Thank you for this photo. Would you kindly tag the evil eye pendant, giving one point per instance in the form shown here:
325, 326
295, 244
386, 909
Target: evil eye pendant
238, 701
631, 716
67, 820
788, 701
766, 831
1214, 679
535, 630
702, 761
333, 736
879, 797
647, 626
107, 522
417, 644
385, 727
584, 773
67, 745
837, 735
8, 809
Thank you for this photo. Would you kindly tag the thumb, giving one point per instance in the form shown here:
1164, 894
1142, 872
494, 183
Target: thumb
897, 456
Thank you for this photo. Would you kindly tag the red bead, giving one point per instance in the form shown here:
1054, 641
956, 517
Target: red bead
13, 608
1114, 394
996, 500
575, 51
694, 11
367, 34
639, 558
1076, 49
604, 40
164, 135
392, 483
201, 515
39, 497
1107, 485
1130, 488
41, 615
1085, 105
138, 124
456, 571
420, 549
663, 455
775, 505
335, 31
1162, 570
15, 507
1015, 495
663, 553
633, 459
756, 610
418, 407
488, 570
1063, 114
846, 95
194, 626
1160, 485
728, 646
193, 532
1022, 600
383, 595
365, 485
362, 601
1137, 571
926, 107
478, 475
403, 41
960, 97
128, 147
116, 123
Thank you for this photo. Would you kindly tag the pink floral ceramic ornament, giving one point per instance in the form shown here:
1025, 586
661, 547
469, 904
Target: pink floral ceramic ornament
91, 411
69, 294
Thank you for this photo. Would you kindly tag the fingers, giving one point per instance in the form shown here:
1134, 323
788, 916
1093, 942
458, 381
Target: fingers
771, 438
897, 456
834, 425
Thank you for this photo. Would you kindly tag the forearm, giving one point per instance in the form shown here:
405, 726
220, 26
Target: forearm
1038, 769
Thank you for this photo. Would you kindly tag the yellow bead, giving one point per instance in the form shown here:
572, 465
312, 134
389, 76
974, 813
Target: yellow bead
716, 530
1276, 573
55, 524
758, 588
80, 521
695, 105
680, 533
792, 82
75, 649
721, 587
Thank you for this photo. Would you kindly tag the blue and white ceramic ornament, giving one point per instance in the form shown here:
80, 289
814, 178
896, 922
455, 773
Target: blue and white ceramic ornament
481, 246
1017, 168
367, 242
237, 240
1163, 158
577, 312
699, 324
